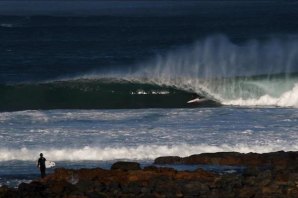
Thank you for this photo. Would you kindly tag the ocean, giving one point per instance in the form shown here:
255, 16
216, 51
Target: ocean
91, 83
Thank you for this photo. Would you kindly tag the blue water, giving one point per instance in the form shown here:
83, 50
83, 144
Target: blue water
89, 83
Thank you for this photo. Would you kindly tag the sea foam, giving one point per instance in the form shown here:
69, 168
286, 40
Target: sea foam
149, 152
287, 99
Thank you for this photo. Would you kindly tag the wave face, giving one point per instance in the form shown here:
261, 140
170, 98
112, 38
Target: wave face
90, 94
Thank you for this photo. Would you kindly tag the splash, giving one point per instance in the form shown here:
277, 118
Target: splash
251, 73
287, 99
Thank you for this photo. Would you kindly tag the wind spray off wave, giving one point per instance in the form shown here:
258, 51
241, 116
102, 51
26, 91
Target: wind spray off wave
256, 72
235, 74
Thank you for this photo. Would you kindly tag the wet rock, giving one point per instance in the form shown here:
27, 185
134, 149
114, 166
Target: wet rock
8, 192
264, 178
34, 189
126, 166
61, 187
246, 192
168, 160
251, 171
195, 189
277, 159
150, 168
126, 179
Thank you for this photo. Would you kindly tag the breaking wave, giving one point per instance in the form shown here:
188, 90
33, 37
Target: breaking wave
254, 73
149, 152
91, 94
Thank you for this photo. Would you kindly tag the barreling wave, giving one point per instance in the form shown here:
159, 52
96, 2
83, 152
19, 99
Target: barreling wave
92, 94
113, 93
254, 73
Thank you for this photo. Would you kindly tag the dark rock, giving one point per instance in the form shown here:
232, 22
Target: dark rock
168, 160
164, 188
277, 159
132, 188
150, 168
264, 178
195, 189
85, 185
126, 166
250, 181
95, 195
271, 175
34, 189
247, 192
8, 192
61, 187
292, 192
251, 171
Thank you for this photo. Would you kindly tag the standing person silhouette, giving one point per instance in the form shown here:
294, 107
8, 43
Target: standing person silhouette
42, 165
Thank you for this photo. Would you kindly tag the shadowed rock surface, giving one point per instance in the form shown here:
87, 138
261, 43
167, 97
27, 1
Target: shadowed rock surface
126, 166
270, 175
280, 158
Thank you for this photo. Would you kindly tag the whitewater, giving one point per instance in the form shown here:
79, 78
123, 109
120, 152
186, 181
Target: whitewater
90, 138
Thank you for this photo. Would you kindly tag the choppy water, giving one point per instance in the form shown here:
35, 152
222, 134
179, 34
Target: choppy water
83, 138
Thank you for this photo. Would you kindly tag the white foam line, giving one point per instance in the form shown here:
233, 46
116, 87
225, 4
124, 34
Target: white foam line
136, 153
287, 99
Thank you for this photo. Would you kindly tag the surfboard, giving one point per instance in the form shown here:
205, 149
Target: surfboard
196, 100
50, 164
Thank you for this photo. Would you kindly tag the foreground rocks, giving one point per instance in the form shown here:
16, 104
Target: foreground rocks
280, 158
271, 175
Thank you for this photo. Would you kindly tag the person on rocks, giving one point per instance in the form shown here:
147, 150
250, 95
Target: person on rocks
42, 165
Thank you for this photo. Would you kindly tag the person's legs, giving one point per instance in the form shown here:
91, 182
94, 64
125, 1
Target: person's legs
42, 172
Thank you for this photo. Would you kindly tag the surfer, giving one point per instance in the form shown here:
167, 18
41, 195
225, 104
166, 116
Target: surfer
194, 99
42, 165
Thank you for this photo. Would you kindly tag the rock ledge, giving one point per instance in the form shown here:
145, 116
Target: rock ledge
267, 175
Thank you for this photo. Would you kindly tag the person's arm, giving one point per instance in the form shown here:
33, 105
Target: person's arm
38, 163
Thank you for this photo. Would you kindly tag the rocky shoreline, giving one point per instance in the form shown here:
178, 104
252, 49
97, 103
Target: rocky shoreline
265, 175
